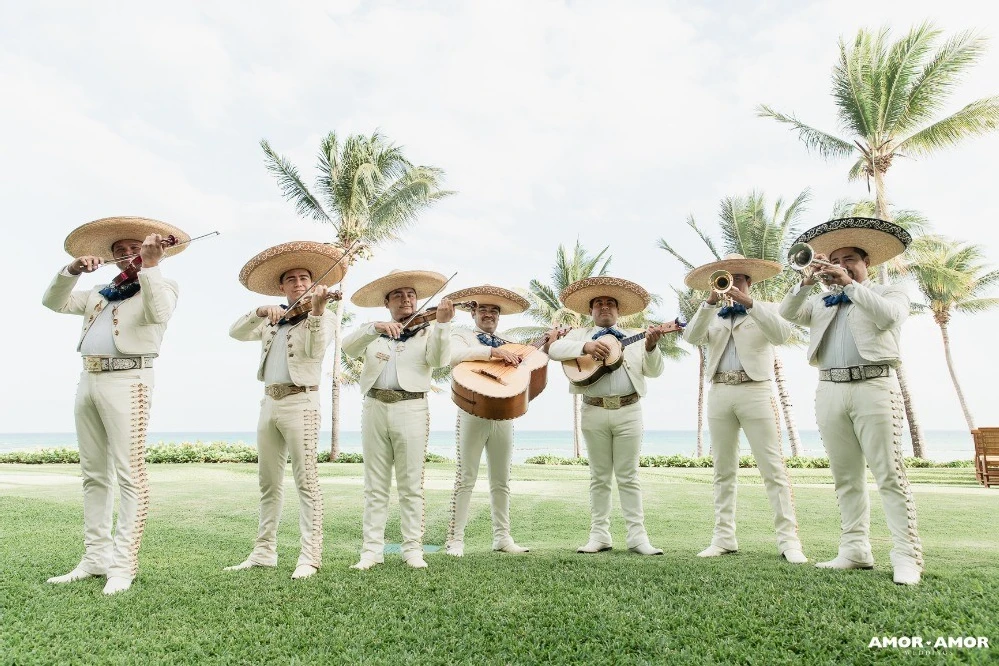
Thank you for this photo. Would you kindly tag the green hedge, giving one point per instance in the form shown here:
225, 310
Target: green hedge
799, 462
188, 452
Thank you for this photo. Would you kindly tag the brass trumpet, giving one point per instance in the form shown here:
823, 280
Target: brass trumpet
801, 256
721, 283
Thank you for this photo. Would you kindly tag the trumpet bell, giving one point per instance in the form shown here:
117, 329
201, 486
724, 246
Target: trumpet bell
800, 256
721, 281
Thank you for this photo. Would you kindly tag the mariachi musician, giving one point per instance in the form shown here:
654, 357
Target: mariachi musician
475, 433
612, 414
740, 333
293, 344
395, 424
123, 326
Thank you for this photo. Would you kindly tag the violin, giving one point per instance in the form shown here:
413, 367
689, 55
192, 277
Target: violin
131, 272
300, 310
419, 321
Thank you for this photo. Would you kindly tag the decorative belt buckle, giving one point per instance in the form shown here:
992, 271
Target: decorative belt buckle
278, 391
613, 402
389, 396
92, 363
731, 378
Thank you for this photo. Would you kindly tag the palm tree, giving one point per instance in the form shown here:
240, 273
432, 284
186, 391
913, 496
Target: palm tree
753, 229
690, 300
887, 96
369, 192
952, 276
548, 312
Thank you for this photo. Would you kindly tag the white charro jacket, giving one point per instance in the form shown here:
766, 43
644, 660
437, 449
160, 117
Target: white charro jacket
875, 320
415, 361
139, 322
307, 343
637, 362
755, 335
465, 346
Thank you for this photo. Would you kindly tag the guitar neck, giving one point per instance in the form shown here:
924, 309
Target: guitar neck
634, 338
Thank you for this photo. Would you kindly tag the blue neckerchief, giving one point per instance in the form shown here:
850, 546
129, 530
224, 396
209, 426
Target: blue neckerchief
126, 290
732, 310
836, 299
610, 331
490, 340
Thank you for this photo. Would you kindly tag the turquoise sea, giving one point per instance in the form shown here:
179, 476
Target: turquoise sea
942, 444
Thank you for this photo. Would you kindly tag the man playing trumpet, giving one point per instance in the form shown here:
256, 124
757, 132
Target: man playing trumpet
855, 335
740, 334
290, 365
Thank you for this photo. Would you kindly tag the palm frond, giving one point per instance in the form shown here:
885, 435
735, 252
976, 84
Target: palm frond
703, 236
977, 305
825, 144
852, 85
292, 187
899, 70
975, 119
663, 245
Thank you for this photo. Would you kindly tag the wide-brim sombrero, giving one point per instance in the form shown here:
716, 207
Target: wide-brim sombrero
94, 239
372, 295
262, 274
630, 297
758, 270
881, 240
509, 302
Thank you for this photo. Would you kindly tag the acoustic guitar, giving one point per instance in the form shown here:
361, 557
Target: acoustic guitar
586, 370
496, 391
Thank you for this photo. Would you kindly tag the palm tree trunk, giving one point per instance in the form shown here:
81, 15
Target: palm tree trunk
335, 401
700, 401
785, 403
915, 432
953, 377
577, 426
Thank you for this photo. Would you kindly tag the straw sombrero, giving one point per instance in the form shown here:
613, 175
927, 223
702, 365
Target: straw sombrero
881, 240
372, 295
262, 274
758, 270
95, 238
509, 302
630, 297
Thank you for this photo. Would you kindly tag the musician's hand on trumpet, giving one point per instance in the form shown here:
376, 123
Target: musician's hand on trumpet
831, 274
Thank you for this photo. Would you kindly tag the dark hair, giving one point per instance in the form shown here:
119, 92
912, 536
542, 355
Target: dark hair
861, 252
281, 279
596, 297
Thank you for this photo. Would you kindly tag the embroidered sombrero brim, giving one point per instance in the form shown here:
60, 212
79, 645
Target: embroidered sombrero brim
630, 297
95, 238
372, 295
509, 302
881, 240
262, 274
758, 270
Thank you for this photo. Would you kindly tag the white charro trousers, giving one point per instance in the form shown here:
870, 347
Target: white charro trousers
112, 415
863, 420
613, 440
749, 406
394, 436
290, 424
475, 434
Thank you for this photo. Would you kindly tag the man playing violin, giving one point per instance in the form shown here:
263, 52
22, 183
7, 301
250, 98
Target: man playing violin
612, 414
474, 433
740, 336
290, 365
123, 326
854, 341
395, 423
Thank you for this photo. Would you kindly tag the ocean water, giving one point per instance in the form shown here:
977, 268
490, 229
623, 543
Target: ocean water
942, 445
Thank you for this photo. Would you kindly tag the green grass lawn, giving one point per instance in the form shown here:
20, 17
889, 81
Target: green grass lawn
550, 606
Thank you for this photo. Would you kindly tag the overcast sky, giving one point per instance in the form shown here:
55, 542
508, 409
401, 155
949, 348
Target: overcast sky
606, 122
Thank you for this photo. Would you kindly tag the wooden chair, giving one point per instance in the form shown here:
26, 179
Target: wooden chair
987, 456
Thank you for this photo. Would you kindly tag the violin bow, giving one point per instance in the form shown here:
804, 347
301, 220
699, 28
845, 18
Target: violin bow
129, 257
320, 278
418, 310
